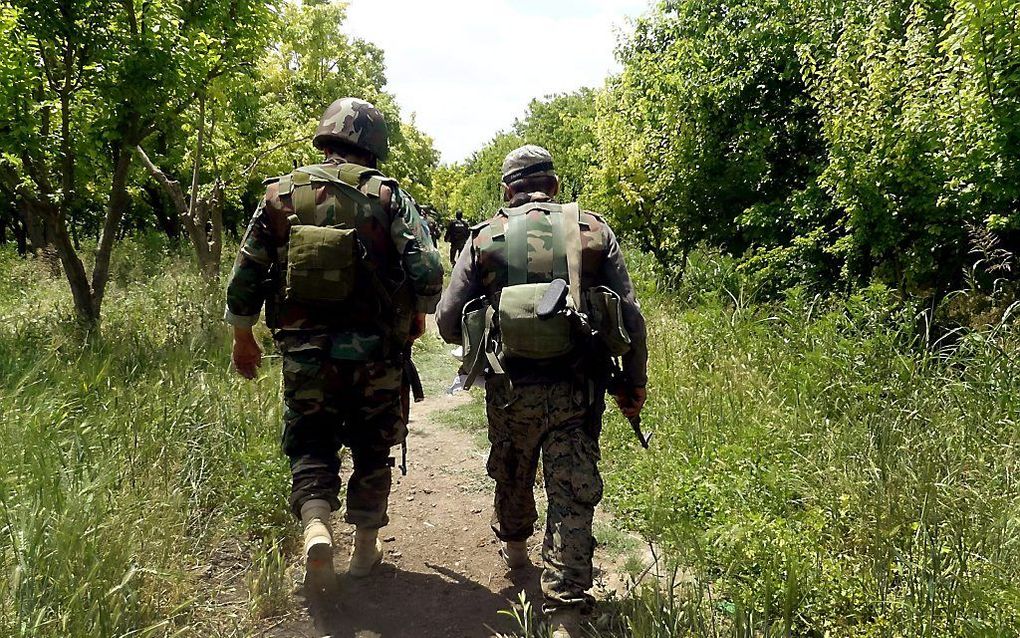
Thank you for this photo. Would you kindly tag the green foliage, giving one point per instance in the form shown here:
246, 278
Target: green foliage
129, 460
565, 125
820, 469
708, 134
920, 105
825, 145
474, 187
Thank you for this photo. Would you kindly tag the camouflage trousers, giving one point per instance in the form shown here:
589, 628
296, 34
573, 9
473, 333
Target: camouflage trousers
332, 403
547, 422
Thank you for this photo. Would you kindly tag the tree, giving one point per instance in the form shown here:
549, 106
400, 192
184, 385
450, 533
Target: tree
100, 77
565, 125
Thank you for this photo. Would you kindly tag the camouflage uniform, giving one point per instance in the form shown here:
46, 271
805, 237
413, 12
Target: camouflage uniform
341, 369
547, 412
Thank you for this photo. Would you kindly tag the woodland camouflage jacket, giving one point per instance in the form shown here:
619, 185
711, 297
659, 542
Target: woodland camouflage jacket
482, 271
396, 240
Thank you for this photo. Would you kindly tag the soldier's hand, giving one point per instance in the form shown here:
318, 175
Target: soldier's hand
417, 327
247, 355
631, 401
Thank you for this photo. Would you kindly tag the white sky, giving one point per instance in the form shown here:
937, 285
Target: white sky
450, 61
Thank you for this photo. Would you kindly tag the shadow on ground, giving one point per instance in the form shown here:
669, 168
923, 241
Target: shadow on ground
393, 603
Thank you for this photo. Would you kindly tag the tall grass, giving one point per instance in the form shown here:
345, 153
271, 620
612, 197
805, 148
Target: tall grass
823, 468
129, 463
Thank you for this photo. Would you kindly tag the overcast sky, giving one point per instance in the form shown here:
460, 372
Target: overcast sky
462, 65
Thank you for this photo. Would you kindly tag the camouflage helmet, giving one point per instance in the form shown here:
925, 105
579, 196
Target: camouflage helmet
355, 122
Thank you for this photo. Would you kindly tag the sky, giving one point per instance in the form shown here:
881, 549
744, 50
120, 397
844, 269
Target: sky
468, 68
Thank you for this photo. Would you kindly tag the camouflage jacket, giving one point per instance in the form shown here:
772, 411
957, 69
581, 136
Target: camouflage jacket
482, 271
398, 243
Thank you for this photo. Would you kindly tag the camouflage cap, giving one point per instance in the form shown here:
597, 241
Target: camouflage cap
356, 122
527, 161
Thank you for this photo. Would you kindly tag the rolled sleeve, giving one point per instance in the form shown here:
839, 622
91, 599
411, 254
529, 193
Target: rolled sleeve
245, 288
464, 287
240, 321
616, 276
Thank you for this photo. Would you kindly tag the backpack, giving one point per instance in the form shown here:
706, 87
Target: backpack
511, 327
325, 258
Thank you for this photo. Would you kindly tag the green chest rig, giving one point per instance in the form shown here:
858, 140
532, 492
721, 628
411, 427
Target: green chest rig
324, 256
513, 328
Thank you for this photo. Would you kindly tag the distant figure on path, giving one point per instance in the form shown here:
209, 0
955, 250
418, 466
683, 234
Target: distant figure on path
347, 270
546, 301
457, 233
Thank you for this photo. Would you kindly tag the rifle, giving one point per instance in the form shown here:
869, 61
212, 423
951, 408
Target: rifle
617, 383
410, 386
605, 367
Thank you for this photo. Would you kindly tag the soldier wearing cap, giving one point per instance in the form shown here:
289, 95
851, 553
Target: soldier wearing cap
545, 387
347, 270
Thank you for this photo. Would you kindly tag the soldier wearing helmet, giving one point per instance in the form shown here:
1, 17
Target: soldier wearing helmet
346, 268
543, 303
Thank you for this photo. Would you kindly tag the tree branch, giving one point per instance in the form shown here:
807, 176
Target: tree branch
172, 187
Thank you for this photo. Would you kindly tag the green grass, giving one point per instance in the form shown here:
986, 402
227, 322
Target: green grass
823, 470
819, 468
128, 461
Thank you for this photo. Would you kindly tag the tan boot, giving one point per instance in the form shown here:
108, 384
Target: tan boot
565, 623
318, 541
515, 554
367, 553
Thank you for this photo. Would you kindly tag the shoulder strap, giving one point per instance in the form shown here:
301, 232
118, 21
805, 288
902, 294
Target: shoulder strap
303, 197
572, 244
517, 247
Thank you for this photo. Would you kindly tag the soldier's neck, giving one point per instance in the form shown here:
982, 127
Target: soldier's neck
339, 158
521, 199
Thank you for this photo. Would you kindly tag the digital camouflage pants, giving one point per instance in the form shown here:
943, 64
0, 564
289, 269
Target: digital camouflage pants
332, 403
547, 422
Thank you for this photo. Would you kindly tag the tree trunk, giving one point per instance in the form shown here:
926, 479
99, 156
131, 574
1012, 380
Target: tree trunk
215, 235
21, 236
201, 216
119, 200
168, 221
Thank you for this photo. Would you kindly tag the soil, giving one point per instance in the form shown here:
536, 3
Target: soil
441, 575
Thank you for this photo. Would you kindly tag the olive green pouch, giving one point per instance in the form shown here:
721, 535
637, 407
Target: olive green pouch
321, 264
523, 333
605, 313
474, 337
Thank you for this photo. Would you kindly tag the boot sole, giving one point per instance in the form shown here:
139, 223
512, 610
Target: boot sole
319, 565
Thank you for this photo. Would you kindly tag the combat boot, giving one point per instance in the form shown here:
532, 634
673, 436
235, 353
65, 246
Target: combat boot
367, 552
565, 623
515, 554
318, 541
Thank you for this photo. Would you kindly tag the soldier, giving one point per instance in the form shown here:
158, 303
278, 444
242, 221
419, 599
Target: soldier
545, 364
457, 233
347, 270
432, 216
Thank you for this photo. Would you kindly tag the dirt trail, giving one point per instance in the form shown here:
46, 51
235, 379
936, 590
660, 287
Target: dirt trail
441, 576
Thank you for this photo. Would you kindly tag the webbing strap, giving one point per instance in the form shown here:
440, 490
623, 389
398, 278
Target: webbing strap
560, 267
303, 198
517, 249
572, 244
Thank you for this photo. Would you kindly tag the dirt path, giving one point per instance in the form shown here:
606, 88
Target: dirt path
441, 575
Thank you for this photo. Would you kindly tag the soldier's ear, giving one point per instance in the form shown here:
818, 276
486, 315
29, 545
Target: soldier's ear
507, 195
556, 188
